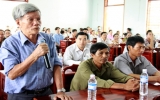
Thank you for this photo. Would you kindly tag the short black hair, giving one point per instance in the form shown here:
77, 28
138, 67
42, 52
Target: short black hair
148, 32
81, 29
85, 29
57, 28
42, 29
110, 30
129, 29
82, 33
98, 46
74, 30
7, 30
115, 34
103, 33
133, 40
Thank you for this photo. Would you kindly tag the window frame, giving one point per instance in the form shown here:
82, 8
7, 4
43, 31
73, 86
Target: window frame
105, 13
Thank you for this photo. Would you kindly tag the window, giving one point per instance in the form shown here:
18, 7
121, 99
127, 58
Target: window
113, 15
153, 17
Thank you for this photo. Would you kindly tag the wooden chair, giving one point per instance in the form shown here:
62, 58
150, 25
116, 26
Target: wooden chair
94, 40
1, 66
149, 55
67, 75
3, 95
122, 45
111, 57
64, 44
157, 58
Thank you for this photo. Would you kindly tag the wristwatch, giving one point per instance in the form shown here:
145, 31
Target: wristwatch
61, 90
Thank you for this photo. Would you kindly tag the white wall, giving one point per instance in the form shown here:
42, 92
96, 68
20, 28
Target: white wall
64, 13
97, 14
135, 15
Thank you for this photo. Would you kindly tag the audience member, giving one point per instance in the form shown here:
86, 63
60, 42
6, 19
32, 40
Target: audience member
48, 31
93, 36
107, 75
116, 40
85, 30
7, 33
127, 36
22, 56
129, 30
150, 42
110, 35
132, 62
44, 29
1, 36
79, 51
57, 38
74, 33
81, 29
104, 39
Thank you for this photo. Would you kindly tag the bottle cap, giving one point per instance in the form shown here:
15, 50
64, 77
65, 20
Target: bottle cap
144, 70
60, 54
92, 76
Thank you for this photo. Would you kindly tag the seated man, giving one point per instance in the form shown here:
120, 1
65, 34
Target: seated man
74, 33
104, 39
7, 33
107, 75
150, 41
78, 51
132, 62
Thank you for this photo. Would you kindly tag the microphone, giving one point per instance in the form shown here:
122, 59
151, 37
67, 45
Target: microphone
46, 59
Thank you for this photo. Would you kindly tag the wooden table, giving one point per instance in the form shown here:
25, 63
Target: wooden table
114, 94
111, 94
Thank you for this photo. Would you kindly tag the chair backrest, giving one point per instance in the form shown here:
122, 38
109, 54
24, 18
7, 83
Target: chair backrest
3, 95
68, 74
122, 45
1, 66
111, 57
149, 55
64, 44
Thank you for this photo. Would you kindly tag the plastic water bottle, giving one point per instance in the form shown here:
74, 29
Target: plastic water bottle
92, 87
61, 59
143, 83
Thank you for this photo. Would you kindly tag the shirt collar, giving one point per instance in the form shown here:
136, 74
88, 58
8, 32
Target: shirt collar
24, 39
85, 48
94, 68
137, 62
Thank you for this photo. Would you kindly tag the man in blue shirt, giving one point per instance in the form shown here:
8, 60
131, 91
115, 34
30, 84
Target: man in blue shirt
57, 38
22, 57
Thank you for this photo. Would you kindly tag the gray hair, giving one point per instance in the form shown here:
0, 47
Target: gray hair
22, 9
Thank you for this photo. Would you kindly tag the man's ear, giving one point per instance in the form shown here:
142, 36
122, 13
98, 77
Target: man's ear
129, 47
18, 22
92, 55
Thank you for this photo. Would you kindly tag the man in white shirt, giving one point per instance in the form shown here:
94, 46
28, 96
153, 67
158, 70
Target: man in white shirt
74, 33
78, 51
104, 39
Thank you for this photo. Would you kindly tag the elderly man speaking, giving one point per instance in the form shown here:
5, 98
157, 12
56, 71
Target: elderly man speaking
22, 56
